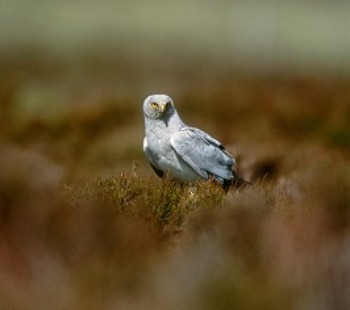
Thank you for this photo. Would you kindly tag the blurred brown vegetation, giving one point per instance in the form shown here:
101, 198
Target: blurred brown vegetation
85, 224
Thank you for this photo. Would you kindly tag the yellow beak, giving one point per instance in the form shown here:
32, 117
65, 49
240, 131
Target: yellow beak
163, 107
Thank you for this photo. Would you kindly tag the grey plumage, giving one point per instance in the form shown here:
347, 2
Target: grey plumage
186, 153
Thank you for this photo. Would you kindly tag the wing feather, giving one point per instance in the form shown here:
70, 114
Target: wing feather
203, 153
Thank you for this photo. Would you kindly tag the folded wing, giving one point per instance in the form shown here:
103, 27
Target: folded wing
202, 153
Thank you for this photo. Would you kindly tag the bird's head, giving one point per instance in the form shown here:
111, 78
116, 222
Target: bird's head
158, 106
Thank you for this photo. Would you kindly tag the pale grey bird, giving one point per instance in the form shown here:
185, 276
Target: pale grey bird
186, 153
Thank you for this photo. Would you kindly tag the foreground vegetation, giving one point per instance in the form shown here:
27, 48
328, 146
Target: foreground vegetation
132, 242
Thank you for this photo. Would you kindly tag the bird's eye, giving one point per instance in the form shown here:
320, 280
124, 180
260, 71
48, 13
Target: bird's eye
154, 105
168, 104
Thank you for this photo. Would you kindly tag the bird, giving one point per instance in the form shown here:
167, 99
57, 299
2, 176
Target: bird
185, 153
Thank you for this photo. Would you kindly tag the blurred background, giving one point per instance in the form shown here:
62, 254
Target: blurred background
74, 74
270, 79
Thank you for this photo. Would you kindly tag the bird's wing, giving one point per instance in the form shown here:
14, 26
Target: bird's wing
149, 156
203, 153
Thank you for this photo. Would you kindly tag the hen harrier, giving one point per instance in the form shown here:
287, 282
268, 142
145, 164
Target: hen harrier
186, 153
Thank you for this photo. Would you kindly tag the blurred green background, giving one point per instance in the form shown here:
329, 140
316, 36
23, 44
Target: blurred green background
304, 36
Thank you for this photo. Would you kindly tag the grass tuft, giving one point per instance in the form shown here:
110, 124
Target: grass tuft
163, 203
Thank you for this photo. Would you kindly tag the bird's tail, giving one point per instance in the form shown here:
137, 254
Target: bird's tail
239, 182
236, 182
